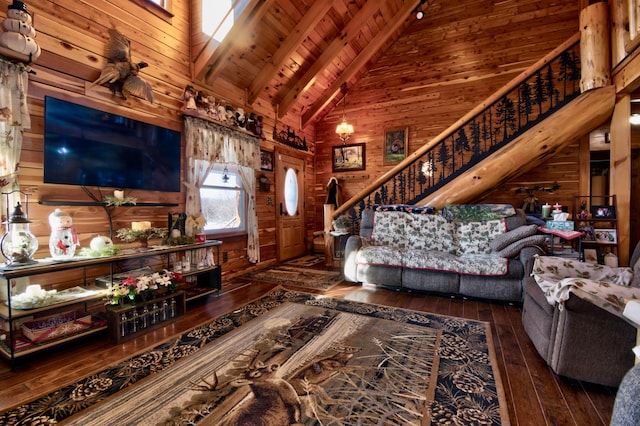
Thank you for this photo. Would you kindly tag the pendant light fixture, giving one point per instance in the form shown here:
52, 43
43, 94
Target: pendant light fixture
344, 129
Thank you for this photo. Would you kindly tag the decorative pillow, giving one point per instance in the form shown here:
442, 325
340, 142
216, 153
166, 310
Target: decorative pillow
513, 250
503, 240
474, 237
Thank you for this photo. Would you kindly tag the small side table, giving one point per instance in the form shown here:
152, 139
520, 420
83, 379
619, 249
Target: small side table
564, 234
338, 244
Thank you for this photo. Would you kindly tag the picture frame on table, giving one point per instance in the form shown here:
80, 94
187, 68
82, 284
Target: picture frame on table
603, 212
266, 160
591, 255
395, 145
606, 236
346, 158
589, 235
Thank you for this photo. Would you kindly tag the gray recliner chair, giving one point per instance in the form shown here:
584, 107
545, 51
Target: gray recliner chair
581, 341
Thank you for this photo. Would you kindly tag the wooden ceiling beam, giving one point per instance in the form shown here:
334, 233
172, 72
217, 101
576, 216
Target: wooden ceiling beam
306, 25
361, 60
212, 59
349, 32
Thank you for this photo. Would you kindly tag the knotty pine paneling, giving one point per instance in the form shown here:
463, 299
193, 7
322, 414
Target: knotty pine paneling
439, 69
72, 36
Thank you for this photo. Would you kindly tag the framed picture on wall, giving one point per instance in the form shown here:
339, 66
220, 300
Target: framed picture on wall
395, 145
346, 158
266, 160
604, 212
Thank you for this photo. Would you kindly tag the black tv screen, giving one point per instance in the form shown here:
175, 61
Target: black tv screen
88, 147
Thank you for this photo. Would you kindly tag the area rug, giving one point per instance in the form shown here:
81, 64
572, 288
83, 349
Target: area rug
308, 260
318, 279
295, 358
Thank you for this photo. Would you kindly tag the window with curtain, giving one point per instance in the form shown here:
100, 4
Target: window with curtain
223, 199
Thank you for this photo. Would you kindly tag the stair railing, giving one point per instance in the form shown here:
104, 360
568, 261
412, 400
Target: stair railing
525, 101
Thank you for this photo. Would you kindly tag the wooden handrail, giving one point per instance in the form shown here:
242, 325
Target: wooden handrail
495, 97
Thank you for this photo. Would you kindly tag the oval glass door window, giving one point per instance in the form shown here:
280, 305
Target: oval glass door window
291, 192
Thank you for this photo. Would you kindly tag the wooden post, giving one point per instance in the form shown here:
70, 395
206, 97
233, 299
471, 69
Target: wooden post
594, 46
620, 173
328, 239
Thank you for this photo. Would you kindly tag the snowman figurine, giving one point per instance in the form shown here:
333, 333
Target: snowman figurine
18, 33
63, 240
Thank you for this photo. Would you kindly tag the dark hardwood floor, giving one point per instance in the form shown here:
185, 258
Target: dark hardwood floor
535, 396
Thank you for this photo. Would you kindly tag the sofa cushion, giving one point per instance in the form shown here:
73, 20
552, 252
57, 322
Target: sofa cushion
389, 229
474, 237
503, 240
379, 255
474, 264
430, 232
513, 250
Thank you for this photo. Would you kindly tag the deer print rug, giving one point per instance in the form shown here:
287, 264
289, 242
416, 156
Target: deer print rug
293, 358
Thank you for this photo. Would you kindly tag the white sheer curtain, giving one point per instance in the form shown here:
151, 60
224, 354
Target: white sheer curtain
207, 144
14, 117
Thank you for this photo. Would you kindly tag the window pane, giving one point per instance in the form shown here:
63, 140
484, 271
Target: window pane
291, 192
223, 203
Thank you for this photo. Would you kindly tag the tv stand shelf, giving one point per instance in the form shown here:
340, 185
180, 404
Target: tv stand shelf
101, 204
199, 265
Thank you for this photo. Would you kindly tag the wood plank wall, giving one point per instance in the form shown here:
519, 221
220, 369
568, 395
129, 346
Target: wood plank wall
72, 35
439, 69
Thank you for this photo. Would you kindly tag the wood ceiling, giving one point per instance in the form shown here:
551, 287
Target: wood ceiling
298, 54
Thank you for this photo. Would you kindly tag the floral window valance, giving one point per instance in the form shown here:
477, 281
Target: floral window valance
219, 144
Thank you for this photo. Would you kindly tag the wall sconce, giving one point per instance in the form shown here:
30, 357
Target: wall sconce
418, 10
344, 129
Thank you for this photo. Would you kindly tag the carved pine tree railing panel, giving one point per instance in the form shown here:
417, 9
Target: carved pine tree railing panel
535, 97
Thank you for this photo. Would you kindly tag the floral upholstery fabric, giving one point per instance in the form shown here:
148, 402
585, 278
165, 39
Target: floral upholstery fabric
475, 237
431, 232
379, 255
389, 229
408, 208
604, 286
473, 264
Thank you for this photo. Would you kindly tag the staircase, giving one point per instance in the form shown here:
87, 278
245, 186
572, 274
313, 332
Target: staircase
519, 127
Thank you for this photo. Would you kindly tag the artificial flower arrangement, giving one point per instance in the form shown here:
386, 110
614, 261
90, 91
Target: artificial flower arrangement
112, 200
129, 235
144, 287
194, 224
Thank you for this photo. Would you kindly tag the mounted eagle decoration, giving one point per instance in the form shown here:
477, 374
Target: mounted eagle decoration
120, 72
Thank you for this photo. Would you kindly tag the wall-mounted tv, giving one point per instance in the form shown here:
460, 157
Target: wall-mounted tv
88, 147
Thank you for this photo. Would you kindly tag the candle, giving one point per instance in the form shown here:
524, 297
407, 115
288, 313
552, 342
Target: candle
118, 194
140, 226
546, 210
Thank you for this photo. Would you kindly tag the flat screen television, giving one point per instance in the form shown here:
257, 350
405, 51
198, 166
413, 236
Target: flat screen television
88, 147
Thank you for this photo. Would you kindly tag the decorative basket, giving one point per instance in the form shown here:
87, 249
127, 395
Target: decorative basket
56, 327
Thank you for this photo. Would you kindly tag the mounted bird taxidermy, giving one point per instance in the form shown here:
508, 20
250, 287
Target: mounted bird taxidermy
120, 72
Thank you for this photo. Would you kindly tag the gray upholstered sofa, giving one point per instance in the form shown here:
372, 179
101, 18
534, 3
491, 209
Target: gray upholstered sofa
576, 324
480, 251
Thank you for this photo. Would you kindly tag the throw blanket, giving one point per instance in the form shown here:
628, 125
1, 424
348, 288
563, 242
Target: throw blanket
606, 287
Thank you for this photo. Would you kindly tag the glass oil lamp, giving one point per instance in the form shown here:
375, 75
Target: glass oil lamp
18, 244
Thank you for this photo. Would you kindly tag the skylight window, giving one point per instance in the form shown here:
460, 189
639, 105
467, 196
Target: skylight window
218, 17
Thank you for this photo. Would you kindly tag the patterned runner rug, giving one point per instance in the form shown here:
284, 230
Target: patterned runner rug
297, 276
295, 358
308, 260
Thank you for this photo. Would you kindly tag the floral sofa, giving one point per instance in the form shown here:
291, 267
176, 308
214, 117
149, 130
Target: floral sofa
482, 251
572, 312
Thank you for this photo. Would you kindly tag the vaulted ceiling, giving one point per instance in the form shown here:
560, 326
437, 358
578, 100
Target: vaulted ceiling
300, 54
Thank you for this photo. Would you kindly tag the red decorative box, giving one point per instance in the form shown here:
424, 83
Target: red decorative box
56, 327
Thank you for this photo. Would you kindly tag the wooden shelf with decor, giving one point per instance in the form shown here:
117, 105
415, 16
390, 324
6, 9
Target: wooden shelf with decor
595, 216
77, 310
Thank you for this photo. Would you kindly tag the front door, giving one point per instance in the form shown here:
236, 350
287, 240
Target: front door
290, 206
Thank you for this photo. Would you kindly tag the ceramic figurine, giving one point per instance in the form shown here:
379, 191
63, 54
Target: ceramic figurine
63, 240
19, 35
